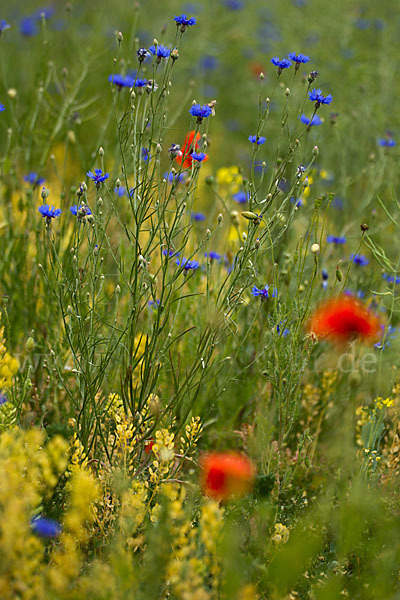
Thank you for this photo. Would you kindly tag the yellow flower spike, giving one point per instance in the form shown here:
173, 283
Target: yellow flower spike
281, 534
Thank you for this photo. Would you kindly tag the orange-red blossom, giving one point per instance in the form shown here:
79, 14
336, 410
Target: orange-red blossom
343, 319
226, 474
188, 147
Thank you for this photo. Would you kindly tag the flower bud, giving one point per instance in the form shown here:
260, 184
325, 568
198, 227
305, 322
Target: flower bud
30, 344
250, 216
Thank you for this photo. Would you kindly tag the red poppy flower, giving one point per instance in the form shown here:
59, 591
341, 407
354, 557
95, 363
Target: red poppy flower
148, 445
344, 318
188, 147
226, 474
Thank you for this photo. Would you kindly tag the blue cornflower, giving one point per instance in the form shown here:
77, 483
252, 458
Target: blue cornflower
121, 80
255, 139
198, 156
390, 335
153, 305
187, 264
142, 54
174, 178
3, 398
314, 121
298, 59
285, 63
359, 259
34, 179
49, 211
325, 276
141, 83
28, 26
316, 96
362, 24
264, 292
241, 197
333, 239
45, 527
209, 62
46, 12
3, 26
337, 202
160, 52
197, 216
119, 190
174, 151
170, 253
182, 21
296, 201
80, 211
2, 107
391, 278
213, 255
281, 327
387, 142
234, 4
97, 176
360, 294
145, 154
201, 112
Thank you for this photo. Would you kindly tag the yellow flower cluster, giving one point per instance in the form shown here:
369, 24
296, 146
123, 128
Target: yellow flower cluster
193, 567
115, 408
125, 442
67, 558
192, 431
363, 416
8, 364
373, 456
280, 534
164, 452
8, 415
29, 472
380, 403
328, 382
211, 523
306, 183
79, 459
230, 176
133, 512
